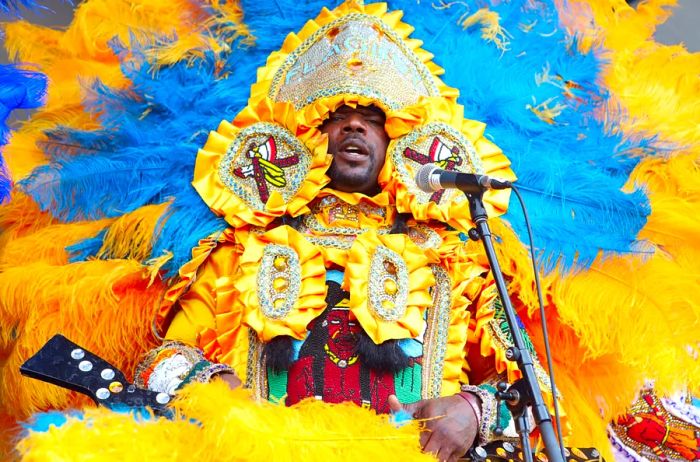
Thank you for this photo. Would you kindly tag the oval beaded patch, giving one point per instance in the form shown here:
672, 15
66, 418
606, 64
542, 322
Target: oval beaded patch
388, 284
279, 280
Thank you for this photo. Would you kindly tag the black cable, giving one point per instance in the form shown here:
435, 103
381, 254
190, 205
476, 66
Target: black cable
543, 320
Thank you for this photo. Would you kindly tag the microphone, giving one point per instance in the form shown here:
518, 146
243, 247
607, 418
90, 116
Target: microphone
431, 178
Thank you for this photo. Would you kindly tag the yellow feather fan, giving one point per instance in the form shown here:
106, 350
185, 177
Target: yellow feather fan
79, 300
215, 423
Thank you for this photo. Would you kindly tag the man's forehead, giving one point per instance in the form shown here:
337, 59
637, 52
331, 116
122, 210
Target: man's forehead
364, 110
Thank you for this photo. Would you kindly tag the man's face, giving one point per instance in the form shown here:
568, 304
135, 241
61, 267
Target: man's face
358, 142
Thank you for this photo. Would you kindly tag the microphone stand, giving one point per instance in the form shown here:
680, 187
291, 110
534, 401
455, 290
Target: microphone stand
525, 392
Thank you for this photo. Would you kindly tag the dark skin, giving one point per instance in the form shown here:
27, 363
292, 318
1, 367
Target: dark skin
358, 142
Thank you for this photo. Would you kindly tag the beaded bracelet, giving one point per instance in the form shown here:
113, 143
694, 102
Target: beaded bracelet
488, 412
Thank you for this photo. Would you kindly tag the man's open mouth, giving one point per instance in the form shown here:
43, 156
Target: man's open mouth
353, 149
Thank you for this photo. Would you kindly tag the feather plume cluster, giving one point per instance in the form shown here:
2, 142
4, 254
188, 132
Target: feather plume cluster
605, 147
214, 423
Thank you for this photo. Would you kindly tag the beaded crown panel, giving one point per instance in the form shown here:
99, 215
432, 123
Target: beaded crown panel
355, 54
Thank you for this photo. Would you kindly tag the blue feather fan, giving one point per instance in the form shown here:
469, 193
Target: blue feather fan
570, 168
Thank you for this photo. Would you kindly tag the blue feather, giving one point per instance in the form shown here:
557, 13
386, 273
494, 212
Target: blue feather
20, 89
570, 170
44, 421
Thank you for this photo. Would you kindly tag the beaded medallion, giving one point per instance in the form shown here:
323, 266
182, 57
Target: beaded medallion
439, 144
651, 432
263, 158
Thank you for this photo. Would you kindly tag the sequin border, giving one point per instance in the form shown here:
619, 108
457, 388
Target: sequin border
256, 378
375, 287
505, 341
235, 151
422, 69
435, 339
267, 273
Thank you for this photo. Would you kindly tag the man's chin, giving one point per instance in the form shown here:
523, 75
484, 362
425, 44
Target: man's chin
350, 181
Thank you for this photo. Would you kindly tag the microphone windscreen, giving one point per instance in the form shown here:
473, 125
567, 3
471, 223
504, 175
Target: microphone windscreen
423, 177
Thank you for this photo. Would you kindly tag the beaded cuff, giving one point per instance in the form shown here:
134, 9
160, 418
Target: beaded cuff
487, 423
173, 365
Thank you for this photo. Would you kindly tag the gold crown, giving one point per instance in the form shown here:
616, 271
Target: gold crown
355, 54
353, 50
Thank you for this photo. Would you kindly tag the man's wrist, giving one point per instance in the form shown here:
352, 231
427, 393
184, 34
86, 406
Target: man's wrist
473, 402
486, 410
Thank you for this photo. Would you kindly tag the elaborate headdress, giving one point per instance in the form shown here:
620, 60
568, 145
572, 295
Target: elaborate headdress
271, 160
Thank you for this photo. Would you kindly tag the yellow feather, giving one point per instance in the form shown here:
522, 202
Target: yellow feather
237, 429
81, 301
131, 235
643, 312
48, 244
19, 217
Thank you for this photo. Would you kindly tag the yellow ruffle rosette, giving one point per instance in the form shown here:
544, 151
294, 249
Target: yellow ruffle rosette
388, 278
438, 134
282, 284
246, 155
343, 69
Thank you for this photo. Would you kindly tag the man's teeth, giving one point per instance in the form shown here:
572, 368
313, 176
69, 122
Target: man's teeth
352, 149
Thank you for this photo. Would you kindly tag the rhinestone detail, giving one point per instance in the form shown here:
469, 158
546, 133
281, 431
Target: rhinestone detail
276, 304
85, 366
387, 307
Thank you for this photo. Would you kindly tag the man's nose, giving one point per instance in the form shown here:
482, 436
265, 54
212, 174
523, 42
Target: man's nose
355, 123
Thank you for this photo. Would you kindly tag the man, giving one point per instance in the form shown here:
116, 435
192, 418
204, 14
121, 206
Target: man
358, 143
339, 279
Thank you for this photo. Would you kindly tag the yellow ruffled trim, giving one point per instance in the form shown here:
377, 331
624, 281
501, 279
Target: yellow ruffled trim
464, 269
493, 162
188, 272
358, 276
224, 202
312, 292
